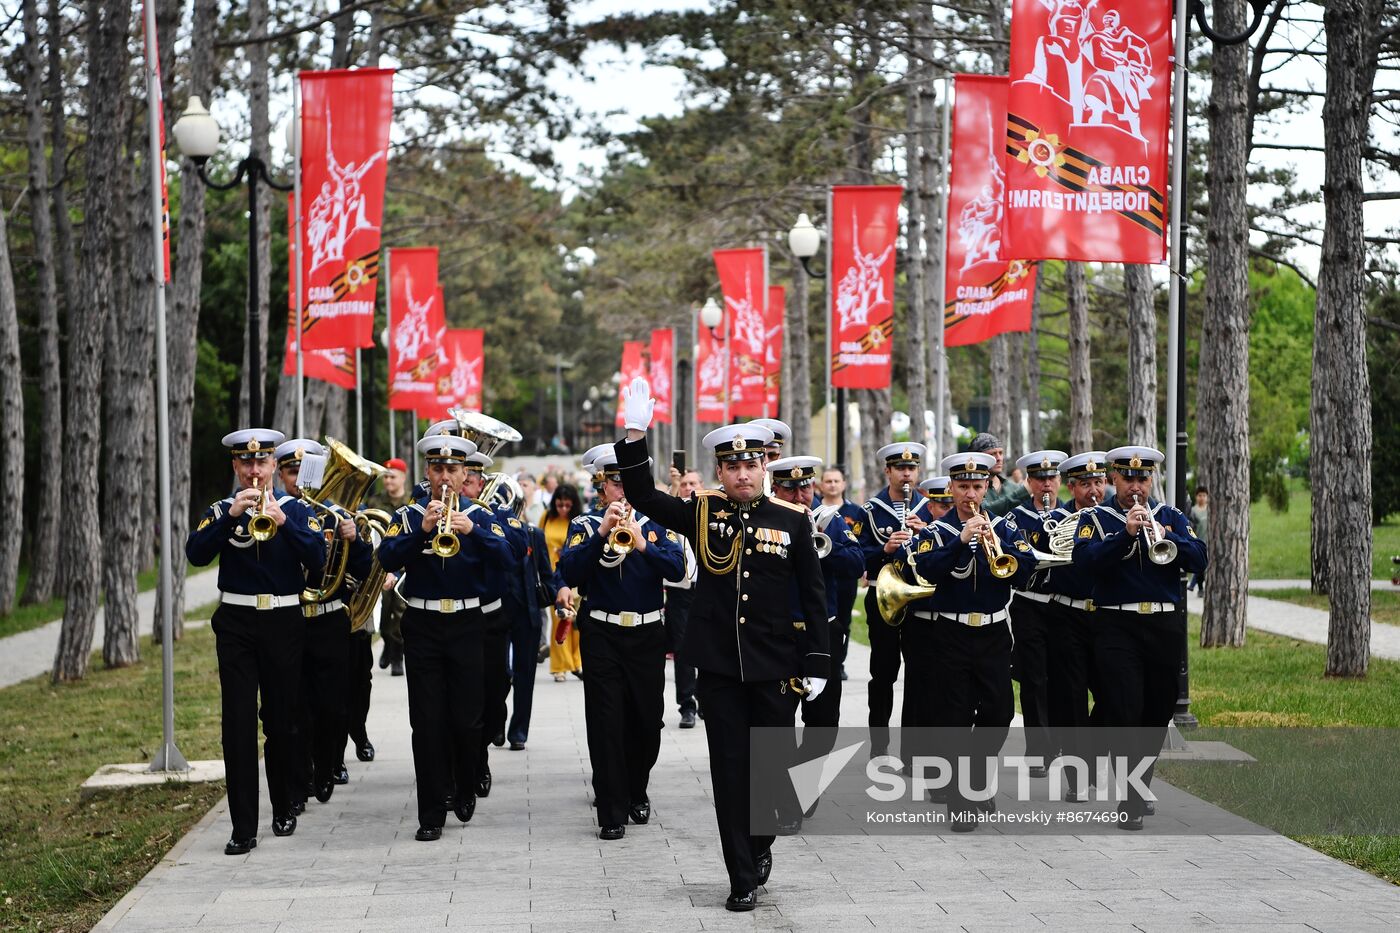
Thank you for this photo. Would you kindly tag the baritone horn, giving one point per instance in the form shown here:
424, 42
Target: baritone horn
346, 478
445, 542
261, 526
1159, 550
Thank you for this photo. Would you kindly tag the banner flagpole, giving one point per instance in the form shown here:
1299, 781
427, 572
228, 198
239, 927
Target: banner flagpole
1176, 459
830, 405
941, 425
389, 356
764, 384
301, 290
359, 410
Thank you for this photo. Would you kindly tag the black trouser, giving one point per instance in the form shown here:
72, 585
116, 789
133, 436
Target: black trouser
443, 658
678, 602
624, 698
845, 601
1137, 658
259, 652
524, 643
325, 662
884, 664
732, 707
360, 684
495, 683
391, 607
825, 710
1071, 664
964, 675
1030, 629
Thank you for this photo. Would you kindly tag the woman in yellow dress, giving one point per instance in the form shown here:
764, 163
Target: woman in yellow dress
564, 507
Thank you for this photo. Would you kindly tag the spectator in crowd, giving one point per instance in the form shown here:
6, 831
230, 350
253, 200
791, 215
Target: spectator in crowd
564, 506
1199, 514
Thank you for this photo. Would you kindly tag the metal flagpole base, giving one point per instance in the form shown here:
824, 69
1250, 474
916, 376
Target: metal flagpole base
168, 758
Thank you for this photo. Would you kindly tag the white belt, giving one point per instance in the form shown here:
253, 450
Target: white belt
260, 600
449, 606
974, 618
626, 619
312, 610
1143, 608
1033, 597
1086, 604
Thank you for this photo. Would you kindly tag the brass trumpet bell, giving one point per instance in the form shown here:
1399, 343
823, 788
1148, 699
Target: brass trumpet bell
445, 542
893, 594
621, 541
1003, 565
262, 527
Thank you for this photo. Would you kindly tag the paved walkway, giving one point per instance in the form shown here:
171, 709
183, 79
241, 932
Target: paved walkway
1301, 622
530, 861
29, 654
1376, 584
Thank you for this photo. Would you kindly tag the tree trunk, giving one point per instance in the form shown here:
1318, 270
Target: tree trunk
11, 425
1222, 402
875, 412
1342, 430
1142, 355
1000, 395
107, 25
1035, 438
914, 141
797, 387
335, 422
1016, 436
1081, 384
43, 553
930, 197
261, 127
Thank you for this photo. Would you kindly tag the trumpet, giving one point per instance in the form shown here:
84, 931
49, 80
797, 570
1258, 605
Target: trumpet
1003, 565
445, 542
620, 539
261, 526
1159, 550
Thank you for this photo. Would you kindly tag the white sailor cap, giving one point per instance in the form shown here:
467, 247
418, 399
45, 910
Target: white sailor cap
739, 441
446, 448
1085, 465
782, 434
1135, 461
936, 487
795, 471
442, 427
253, 443
967, 465
478, 462
604, 465
1042, 464
902, 453
291, 452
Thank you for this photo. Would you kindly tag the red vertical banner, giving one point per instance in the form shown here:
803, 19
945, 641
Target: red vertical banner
435, 410
345, 118
985, 294
773, 368
743, 280
634, 365
709, 378
662, 352
414, 311
864, 223
1087, 126
458, 376
334, 366
156, 105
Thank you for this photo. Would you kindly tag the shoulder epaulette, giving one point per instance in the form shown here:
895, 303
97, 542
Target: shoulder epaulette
789, 505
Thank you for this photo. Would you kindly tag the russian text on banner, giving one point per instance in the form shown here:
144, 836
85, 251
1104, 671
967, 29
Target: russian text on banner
345, 118
985, 293
864, 222
662, 352
1087, 122
743, 281
335, 365
414, 311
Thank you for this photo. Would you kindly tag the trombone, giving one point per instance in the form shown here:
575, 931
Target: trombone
1003, 565
1159, 550
261, 526
445, 542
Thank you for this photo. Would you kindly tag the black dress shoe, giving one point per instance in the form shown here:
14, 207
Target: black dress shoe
764, 863
807, 813
284, 826
962, 821
987, 806
1149, 808
517, 746
498, 739
640, 812
578, 674
789, 827
938, 795
385, 657
364, 750
396, 669
241, 846
465, 809
298, 807
742, 901
340, 775
428, 833
687, 719
324, 791
483, 784
1038, 771
612, 832
1130, 823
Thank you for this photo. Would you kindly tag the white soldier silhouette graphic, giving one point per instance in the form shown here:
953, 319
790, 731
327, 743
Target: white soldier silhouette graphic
411, 333
1101, 69
660, 379
862, 289
465, 378
748, 320
339, 208
712, 371
979, 222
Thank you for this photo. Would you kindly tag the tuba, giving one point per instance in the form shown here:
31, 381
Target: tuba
345, 481
489, 435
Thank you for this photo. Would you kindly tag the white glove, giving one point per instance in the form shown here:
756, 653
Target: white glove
637, 405
815, 686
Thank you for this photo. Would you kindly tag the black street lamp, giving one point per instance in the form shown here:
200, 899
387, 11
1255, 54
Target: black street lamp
198, 137
804, 240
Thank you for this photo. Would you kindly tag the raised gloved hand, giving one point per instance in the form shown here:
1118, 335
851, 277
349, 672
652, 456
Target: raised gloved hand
815, 686
637, 405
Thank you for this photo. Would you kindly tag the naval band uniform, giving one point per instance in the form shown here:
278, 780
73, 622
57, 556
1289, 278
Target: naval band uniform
258, 630
741, 633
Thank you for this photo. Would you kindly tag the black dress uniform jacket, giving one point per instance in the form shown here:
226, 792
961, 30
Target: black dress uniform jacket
1122, 573
475, 570
274, 566
742, 623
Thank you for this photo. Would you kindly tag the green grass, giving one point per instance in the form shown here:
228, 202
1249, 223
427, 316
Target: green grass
63, 861
24, 618
1385, 604
1280, 542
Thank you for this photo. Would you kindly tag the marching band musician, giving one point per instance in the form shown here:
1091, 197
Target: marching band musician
1137, 550
448, 600
1070, 614
1028, 617
623, 644
939, 499
782, 436
833, 489
325, 657
258, 627
959, 649
892, 517
742, 635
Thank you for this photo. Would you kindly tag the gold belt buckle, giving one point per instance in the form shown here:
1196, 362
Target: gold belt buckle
974, 618
264, 601
628, 619
1145, 608
1088, 605
447, 605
